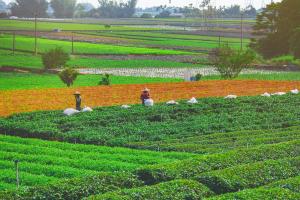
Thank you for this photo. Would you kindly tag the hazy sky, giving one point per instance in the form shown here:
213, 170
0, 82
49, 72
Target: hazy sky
149, 3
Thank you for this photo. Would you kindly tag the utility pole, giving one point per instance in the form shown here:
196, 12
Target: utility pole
242, 33
35, 33
72, 43
14, 42
17, 173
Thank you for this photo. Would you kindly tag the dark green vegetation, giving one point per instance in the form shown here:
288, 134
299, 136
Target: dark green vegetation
13, 81
247, 148
43, 162
116, 126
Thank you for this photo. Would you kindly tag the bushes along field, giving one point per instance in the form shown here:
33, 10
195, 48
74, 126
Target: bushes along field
118, 127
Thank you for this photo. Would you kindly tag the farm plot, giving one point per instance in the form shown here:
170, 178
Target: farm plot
28, 61
54, 99
15, 81
43, 162
25, 43
114, 126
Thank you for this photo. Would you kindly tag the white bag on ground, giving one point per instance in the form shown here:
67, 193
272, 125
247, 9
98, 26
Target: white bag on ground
87, 109
70, 111
231, 96
192, 101
172, 102
149, 102
295, 91
266, 94
125, 106
279, 93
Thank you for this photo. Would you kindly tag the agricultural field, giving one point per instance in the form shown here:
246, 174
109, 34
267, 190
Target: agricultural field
16, 101
229, 152
45, 162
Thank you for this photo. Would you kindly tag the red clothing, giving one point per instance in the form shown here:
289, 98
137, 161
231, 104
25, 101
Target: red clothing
145, 96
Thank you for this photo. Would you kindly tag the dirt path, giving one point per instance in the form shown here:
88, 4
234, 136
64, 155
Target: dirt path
58, 99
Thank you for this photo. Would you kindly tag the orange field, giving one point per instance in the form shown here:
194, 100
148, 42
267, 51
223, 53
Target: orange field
58, 99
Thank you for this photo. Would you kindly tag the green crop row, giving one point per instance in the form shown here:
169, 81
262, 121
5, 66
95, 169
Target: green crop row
26, 43
250, 175
220, 142
118, 127
76, 188
175, 190
16, 81
191, 168
43, 162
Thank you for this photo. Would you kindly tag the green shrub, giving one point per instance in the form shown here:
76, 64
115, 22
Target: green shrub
77, 188
292, 184
55, 58
68, 76
105, 80
257, 194
193, 167
250, 175
175, 190
230, 62
282, 60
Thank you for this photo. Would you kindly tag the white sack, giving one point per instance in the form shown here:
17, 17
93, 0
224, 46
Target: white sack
266, 94
279, 93
172, 102
192, 101
149, 102
87, 109
295, 91
125, 106
231, 96
70, 111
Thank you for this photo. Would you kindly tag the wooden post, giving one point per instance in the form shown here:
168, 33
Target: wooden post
35, 34
17, 173
14, 43
219, 41
72, 43
242, 18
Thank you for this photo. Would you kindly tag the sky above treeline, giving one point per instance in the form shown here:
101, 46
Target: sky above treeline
182, 3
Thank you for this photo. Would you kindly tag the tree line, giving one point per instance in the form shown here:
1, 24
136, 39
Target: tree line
70, 8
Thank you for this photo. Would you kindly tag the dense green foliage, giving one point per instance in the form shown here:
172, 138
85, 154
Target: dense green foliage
26, 43
55, 58
176, 190
14, 81
76, 188
230, 63
116, 126
29, 8
193, 167
68, 76
42, 162
63, 8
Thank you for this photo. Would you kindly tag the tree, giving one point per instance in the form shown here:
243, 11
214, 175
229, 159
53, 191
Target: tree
113, 9
230, 62
275, 26
29, 8
55, 58
2, 6
68, 76
295, 43
63, 8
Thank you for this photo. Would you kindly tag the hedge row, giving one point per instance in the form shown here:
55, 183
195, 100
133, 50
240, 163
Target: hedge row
75, 188
193, 167
250, 175
259, 194
175, 190
292, 184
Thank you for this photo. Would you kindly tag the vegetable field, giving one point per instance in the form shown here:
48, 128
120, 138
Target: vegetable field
43, 162
17, 101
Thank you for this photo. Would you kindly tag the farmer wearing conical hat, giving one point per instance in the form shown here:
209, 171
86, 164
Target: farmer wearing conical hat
78, 100
145, 95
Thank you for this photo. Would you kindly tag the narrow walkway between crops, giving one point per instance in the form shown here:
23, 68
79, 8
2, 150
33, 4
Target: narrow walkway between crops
57, 99
163, 72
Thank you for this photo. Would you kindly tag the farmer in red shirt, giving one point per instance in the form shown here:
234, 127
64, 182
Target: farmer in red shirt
145, 95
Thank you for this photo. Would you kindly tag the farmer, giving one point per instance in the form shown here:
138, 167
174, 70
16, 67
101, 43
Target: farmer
78, 100
145, 95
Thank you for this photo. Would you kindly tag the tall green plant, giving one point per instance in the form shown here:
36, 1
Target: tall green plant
68, 76
230, 62
55, 58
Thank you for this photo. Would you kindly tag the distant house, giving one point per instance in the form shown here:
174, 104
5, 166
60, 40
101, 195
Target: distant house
177, 15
